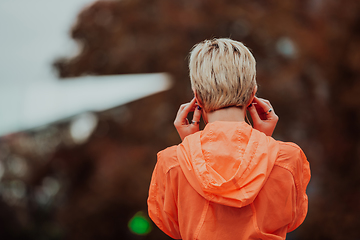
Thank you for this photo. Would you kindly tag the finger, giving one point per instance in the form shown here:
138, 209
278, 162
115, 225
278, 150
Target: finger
264, 100
270, 110
182, 106
197, 115
263, 105
185, 109
267, 102
178, 120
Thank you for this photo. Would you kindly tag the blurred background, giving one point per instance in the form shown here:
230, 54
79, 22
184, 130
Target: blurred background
83, 172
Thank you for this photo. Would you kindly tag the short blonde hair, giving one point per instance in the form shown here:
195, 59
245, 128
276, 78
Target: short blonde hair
222, 73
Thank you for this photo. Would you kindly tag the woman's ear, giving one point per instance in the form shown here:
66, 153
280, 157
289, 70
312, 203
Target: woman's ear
197, 99
203, 112
252, 96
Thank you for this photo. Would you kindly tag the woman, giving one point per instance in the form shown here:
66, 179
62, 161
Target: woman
228, 181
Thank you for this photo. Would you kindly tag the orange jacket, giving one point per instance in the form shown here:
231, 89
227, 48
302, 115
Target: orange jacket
229, 181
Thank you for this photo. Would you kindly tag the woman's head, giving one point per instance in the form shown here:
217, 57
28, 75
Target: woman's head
222, 73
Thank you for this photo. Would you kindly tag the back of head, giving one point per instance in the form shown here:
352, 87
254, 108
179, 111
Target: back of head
222, 73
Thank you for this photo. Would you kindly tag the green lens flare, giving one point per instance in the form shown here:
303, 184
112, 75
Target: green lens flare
140, 224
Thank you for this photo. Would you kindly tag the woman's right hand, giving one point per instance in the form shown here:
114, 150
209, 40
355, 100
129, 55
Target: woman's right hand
263, 115
181, 123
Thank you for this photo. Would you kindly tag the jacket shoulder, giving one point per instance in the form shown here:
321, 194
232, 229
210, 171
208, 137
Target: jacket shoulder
289, 153
167, 158
292, 158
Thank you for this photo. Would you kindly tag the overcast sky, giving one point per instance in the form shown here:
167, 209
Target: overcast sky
33, 34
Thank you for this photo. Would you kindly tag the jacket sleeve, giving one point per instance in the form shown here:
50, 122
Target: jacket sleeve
301, 173
162, 205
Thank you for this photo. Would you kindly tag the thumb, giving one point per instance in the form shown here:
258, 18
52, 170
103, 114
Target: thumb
254, 114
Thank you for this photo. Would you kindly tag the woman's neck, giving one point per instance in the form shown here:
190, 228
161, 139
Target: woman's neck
230, 114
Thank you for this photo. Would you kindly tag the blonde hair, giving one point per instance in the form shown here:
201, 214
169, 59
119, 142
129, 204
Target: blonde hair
222, 73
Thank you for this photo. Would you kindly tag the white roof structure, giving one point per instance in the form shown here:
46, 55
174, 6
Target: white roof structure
25, 107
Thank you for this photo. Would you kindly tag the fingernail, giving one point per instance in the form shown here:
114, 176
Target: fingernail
198, 107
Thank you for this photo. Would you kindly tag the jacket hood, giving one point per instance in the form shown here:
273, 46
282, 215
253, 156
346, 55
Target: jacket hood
228, 162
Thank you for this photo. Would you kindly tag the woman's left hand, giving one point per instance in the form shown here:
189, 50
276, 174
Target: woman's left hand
181, 123
263, 116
